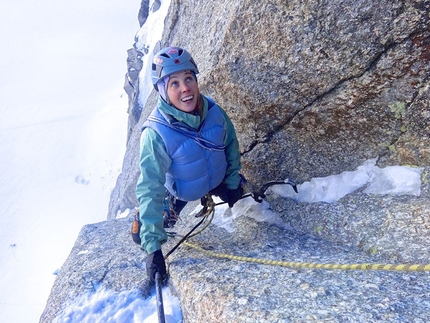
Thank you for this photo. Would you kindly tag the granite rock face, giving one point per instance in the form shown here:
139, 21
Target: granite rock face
227, 290
314, 88
103, 257
220, 289
397, 227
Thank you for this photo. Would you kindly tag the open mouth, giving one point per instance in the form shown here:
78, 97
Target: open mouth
187, 98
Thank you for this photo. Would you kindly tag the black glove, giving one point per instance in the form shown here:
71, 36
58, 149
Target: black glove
234, 195
155, 263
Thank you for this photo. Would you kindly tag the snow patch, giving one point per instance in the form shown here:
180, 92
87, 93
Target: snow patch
81, 180
148, 38
126, 306
392, 180
260, 212
395, 180
120, 215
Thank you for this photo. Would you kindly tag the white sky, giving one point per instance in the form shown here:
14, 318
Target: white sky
62, 116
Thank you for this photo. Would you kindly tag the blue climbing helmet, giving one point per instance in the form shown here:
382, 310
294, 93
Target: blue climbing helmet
170, 60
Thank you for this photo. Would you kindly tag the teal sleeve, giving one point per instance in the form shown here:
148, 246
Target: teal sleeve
150, 191
232, 177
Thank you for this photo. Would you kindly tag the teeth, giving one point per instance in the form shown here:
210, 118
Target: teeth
188, 98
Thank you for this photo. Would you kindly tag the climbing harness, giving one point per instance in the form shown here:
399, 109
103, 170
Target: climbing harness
208, 212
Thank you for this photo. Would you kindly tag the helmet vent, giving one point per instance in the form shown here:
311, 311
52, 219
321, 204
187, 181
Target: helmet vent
171, 60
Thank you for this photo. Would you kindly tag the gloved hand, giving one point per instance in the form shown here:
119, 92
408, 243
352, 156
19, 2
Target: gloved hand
234, 195
155, 262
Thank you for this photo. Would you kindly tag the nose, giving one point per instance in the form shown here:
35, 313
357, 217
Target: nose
184, 87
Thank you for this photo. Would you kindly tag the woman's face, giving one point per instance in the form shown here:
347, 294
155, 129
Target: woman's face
183, 91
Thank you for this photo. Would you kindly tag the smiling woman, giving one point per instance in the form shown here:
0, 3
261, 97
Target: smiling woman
183, 91
188, 149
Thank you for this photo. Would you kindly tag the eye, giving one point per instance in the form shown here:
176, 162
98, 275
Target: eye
174, 84
189, 79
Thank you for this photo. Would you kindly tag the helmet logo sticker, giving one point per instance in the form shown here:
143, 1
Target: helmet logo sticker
158, 60
172, 51
177, 61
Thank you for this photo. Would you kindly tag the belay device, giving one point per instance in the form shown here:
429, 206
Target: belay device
258, 196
